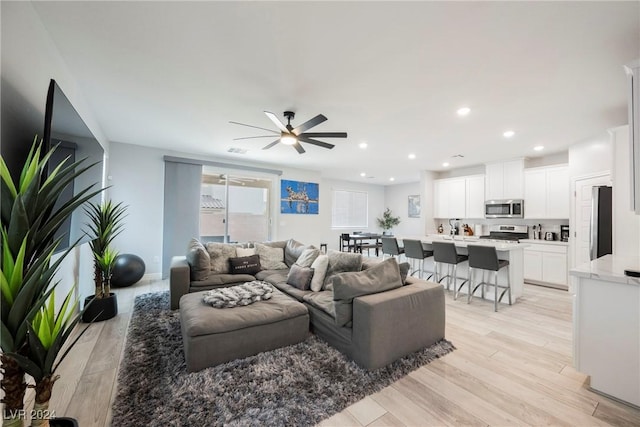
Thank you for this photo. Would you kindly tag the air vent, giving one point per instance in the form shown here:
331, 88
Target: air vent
237, 150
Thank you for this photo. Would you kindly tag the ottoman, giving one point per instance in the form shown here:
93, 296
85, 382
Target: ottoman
215, 335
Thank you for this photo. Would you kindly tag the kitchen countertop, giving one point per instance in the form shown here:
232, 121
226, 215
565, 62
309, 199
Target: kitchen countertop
609, 268
463, 241
545, 242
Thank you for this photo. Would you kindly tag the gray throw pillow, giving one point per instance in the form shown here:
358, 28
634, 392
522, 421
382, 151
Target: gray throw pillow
220, 254
347, 286
404, 271
198, 259
340, 262
245, 265
292, 251
300, 277
271, 258
307, 257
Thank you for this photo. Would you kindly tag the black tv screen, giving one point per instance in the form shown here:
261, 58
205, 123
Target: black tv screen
64, 128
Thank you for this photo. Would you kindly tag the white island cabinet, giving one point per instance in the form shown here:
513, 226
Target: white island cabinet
606, 326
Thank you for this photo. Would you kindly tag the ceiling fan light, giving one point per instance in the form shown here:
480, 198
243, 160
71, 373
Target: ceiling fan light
288, 139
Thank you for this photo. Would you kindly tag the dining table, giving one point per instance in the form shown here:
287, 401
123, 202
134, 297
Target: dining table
373, 241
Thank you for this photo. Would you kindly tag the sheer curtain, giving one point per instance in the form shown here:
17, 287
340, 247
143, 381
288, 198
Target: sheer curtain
181, 209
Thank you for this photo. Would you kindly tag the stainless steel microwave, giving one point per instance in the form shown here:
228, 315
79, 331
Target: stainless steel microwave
504, 208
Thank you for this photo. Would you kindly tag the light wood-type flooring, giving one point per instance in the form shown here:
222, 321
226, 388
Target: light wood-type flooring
512, 367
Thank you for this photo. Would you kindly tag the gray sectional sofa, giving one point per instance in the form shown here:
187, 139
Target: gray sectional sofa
365, 308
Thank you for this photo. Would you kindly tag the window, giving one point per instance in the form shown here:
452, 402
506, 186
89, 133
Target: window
349, 209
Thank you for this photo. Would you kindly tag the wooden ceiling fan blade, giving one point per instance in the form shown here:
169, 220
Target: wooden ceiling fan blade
298, 147
266, 147
314, 142
325, 134
253, 137
276, 121
251, 126
309, 124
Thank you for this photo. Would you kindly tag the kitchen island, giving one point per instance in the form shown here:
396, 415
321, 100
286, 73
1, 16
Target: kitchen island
512, 252
606, 325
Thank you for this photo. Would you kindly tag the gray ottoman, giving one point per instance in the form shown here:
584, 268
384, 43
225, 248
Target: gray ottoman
215, 335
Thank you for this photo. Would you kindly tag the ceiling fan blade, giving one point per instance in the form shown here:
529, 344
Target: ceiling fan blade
276, 121
314, 142
251, 126
298, 147
253, 137
266, 147
325, 134
309, 124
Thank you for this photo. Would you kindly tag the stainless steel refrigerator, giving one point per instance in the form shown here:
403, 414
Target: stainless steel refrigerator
600, 242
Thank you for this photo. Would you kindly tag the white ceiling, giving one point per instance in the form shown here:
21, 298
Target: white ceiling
392, 74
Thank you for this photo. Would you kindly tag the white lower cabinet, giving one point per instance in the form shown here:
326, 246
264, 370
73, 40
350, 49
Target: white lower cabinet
546, 263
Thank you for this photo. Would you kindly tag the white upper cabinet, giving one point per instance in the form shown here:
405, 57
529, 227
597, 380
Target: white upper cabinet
547, 192
504, 180
461, 197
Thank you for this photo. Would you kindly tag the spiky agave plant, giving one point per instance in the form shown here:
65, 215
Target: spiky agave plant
105, 224
30, 220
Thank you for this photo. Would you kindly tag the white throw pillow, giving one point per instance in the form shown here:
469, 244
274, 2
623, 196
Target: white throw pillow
271, 258
245, 251
319, 271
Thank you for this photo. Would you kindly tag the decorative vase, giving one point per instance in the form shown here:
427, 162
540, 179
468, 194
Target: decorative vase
100, 308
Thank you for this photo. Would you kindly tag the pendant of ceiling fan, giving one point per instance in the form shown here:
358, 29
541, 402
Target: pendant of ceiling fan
294, 136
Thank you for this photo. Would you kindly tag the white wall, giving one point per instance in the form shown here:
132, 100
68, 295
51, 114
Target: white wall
591, 156
136, 176
396, 199
29, 61
626, 224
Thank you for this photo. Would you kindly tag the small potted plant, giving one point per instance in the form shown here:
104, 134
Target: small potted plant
388, 221
105, 224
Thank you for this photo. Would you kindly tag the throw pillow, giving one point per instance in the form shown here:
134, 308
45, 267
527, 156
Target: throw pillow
220, 254
245, 265
270, 258
300, 277
340, 262
347, 286
307, 257
245, 251
198, 259
404, 271
319, 271
292, 251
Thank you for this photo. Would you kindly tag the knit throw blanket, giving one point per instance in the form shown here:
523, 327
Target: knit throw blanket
239, 295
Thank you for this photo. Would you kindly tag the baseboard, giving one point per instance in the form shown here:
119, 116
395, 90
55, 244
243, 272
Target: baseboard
151, 277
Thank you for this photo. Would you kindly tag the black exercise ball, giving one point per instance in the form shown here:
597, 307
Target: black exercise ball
128, 270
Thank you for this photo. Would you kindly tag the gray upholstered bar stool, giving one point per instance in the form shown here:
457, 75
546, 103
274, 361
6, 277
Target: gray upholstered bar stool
445, 253
390, 247
485, 258
414, 251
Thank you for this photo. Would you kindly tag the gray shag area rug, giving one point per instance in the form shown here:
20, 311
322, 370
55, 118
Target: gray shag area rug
297, 385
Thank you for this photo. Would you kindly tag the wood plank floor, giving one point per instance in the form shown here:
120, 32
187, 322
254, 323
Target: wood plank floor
510, 368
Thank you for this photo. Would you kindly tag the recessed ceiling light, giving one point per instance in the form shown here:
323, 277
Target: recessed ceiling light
463, 111
539, 147
508, 133
445, 165
363, 174
392, 179
362, 145
412, 156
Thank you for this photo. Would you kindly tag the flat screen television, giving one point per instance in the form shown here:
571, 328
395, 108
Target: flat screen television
64, 128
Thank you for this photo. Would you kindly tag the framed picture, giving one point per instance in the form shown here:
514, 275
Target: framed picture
414, 206
297, 197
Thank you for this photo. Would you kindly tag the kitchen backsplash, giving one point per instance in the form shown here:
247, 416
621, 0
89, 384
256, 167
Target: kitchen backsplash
482, 225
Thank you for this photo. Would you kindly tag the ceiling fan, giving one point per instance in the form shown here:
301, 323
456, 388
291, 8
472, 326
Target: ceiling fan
294, 136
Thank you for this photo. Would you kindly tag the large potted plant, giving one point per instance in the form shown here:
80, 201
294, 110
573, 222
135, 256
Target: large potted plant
105, 224
30, 219
388, 221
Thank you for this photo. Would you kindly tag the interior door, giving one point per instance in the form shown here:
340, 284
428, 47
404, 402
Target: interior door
582, 202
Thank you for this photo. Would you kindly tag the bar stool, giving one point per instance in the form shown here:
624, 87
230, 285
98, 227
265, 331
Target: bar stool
445, 253
390, 247
486, 258
414, 250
